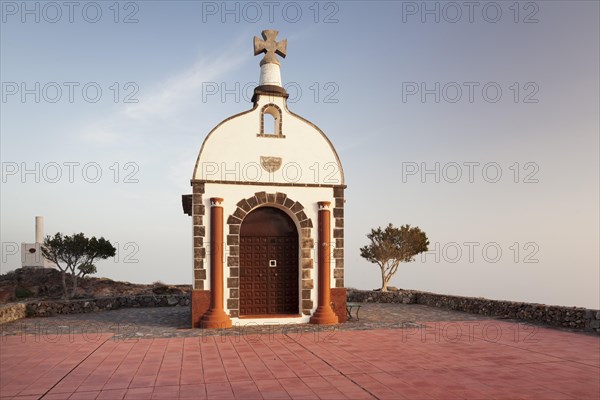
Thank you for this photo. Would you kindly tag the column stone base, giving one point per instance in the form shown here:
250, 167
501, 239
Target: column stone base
214, 319
324, 315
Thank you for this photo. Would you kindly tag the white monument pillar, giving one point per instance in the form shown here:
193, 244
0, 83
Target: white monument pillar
31, 253
39, 229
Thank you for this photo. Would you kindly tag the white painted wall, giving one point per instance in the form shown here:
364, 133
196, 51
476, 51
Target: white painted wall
31, 253
231, 152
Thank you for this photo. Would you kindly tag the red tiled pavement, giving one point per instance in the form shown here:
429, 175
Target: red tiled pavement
445, 360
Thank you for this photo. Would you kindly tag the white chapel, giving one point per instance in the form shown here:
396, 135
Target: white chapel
267, 208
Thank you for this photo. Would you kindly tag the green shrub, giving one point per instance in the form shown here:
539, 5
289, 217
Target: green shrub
23, 293
29, 311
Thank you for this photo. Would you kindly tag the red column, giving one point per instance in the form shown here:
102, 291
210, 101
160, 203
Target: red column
215, 317
324, 315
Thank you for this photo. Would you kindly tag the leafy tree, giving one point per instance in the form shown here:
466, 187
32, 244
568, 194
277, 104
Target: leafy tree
391, 246
87, 269
76, 255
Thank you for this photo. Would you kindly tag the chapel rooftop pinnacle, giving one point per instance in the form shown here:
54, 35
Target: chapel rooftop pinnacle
270, 46
270, 72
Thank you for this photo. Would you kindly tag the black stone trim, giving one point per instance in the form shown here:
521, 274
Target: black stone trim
186, 203
269, 90
269, 183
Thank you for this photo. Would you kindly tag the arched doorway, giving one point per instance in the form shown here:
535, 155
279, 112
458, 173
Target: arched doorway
268, 263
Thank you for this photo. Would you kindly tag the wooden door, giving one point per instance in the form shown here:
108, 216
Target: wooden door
268, 264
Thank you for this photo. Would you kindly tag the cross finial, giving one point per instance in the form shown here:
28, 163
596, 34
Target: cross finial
270, 46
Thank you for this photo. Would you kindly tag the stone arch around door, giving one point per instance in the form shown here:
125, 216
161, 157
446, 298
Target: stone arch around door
295, 210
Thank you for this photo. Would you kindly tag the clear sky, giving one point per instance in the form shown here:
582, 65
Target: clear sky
478, 123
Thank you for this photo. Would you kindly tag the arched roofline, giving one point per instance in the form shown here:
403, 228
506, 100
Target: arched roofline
214, 129
337, 158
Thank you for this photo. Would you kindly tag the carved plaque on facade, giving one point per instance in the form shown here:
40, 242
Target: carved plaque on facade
270, 164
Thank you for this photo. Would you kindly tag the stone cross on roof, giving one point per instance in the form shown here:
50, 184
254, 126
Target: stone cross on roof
270, 46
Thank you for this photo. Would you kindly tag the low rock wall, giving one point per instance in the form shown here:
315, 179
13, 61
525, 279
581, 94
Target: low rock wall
567, 317
48, 308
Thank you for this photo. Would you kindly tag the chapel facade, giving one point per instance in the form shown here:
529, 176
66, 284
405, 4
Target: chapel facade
267, 208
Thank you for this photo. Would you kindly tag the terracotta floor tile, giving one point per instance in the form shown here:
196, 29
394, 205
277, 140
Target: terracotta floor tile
271, 389
192, 392
165, 393
139, 393
374, 387
55, 396
84, 395
347, 387
117, 394
385, 363
245, 390
297, 388
219, 390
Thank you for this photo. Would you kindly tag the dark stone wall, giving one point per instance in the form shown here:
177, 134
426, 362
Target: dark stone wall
48, 308
566, 317
338, 236
199, 231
